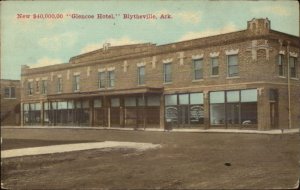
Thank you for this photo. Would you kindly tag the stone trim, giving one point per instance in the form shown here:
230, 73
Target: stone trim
169, 60
232, 52
101, 70
282, 52
76, 73
141, 64
200, 56
293, 54
44, 78
214, 54
111, 68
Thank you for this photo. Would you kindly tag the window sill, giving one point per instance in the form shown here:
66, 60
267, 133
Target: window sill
198, 80
293, 78
10, 98
141, 84
101, 89
76, 91
167, 83
59, 92
237, 77
214, 76
108, 88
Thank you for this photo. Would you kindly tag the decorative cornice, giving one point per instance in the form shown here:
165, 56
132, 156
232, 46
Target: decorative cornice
169, 60
214, 54
197, 56
111, 68
232, 52
141, 64
76, 73
293, 54
101, 69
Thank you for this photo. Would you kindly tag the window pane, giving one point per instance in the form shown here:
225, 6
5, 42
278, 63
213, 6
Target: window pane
101, 79
130, 101
141, 101
32, 106
26, 107
232, 60
37, 106
233, 113
85, 104
62, 105
70, 104
78, 104
97, 103
217, 114
115, 102
249, 113
46, 106
6, 92
197, 114
249, 95
183, 99
170, 99
167, 72
214, 66
196, 98
54, 105
153, 100
217, 97
233, 96
141, 74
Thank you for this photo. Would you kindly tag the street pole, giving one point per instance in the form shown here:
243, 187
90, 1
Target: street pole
289, 85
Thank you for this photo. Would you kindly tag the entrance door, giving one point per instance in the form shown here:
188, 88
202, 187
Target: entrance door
274, 114
183, 116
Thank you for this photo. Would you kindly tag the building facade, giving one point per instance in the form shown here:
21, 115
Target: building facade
247, 79
10, 102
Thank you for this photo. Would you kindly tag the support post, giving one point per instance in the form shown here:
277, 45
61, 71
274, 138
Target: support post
162, 112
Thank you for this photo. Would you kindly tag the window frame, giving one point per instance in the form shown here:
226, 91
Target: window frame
10, 95
141, 77
44, 87
76, 83
200, 62
102, 80
59, 84
294, 67
280, 64
167, 75
212, 66
111, 79
232, 66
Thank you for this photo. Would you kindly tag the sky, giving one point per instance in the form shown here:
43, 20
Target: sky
41, 42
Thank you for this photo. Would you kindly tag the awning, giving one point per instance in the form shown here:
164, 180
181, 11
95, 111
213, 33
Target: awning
110, 92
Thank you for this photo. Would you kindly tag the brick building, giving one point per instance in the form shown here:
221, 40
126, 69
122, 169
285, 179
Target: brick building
10, 102
242, 79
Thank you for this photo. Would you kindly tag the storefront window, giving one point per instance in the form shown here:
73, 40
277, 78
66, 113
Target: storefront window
115, 102
130, 101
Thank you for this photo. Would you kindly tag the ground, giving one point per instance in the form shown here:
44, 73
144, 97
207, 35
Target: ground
185, 161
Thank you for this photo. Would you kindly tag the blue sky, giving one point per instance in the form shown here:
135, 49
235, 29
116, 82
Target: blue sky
38, 42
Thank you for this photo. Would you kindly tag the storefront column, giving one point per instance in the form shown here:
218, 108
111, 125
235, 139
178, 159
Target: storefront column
122, 117
162, 112
144, 111
263, 110
22, 115
206, 110
42, 112
91, 112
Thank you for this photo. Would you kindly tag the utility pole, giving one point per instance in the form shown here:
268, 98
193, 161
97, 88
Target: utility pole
289, 85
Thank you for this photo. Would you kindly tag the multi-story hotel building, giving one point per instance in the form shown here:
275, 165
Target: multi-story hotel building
244, 79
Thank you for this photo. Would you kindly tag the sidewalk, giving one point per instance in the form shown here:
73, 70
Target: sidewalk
75, 147
247, 131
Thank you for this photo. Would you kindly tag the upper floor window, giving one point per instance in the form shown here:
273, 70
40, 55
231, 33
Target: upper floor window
167, 72
232, 63
214, 66
76, 82
281, 65
293, 67
141, 75
101, 80
9, 92
44, 87
111, 78
30, 88
198, 69
37, 86
59, 85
